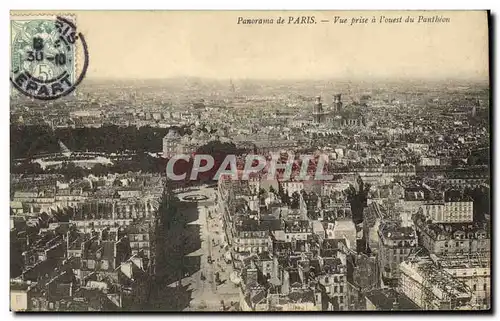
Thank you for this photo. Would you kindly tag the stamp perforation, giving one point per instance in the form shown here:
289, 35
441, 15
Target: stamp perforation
67, 38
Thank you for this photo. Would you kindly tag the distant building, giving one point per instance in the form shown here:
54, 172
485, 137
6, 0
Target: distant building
440, 238
297, 230
337, 116
472, 270
449, 212
318, 110
172, 144
418, 147
430, 161
337, 103
140, 238
395, 244
432, 288
332, 281
175, 144
86, 113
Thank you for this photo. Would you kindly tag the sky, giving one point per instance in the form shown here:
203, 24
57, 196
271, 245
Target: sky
167, 44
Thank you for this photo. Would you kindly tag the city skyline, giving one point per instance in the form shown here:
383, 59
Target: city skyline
205, 165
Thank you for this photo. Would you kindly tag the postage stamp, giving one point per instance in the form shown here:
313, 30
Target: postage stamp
44, 52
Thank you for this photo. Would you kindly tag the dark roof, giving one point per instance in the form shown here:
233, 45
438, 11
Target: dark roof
248, 225
264, 256
294, 277
390, 299
259, 296
108, 250
301, 296
395, 231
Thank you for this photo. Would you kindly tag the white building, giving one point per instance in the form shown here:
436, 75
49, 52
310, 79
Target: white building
449, 212
432, 288
345, 229
474, 271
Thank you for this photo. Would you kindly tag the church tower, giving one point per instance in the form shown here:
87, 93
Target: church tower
337, 103
318, 110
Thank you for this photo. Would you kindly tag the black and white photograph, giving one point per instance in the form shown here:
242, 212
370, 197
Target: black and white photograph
250, 161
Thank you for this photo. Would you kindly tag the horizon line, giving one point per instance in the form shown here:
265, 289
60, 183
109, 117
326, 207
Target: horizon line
345, 79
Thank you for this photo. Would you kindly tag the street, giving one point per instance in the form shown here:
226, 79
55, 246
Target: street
207, 294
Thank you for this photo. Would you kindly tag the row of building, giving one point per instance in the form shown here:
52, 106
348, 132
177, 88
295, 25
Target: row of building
91, 254
313, 256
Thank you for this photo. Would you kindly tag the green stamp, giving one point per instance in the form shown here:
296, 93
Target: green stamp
43, 56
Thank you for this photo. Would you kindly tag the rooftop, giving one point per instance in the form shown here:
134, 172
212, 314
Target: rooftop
394, 231
442, 283
390, 299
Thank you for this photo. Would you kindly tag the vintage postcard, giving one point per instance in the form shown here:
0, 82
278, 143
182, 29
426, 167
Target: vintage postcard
250, 161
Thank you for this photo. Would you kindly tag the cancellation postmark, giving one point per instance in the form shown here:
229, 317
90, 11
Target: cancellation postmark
44, 56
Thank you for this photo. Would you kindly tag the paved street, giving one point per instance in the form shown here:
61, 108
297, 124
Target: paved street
206, 293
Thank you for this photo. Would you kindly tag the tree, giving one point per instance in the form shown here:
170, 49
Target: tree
358, 200
71, 171
26, 167
295, 203
285, 199
100, 170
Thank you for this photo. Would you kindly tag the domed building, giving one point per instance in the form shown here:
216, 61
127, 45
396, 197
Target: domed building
337, 115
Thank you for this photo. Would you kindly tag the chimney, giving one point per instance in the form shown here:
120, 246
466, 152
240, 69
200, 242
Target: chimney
83, 247
275, 267
252, 274
286, 282
395, 305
